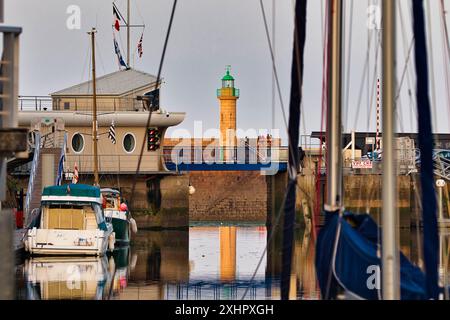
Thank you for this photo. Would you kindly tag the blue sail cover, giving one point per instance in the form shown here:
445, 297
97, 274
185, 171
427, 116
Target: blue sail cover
430, 227
355, 263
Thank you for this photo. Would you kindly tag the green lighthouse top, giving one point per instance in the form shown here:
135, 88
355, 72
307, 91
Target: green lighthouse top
228, 89
227, 76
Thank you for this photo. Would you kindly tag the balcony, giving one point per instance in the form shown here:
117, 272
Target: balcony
227, 92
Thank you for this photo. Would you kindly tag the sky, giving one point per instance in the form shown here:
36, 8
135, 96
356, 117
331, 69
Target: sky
206, 36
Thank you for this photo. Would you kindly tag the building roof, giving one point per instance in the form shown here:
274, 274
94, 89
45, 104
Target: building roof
116, 83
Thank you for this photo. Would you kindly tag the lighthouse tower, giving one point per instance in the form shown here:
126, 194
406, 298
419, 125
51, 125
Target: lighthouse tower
228, 96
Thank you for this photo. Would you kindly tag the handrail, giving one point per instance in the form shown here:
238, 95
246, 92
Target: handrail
33, 172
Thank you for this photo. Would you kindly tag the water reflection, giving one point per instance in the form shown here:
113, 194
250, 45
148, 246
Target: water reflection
66, 278
206, 262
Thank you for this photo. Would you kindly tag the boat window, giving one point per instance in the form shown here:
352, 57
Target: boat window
77, 142
129, 142
72, 217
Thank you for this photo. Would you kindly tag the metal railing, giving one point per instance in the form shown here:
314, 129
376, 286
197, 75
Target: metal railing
47, 103
33, 173
244, 155
113, 163
35, 103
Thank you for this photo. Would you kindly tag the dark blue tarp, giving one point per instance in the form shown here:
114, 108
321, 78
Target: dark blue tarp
354, 265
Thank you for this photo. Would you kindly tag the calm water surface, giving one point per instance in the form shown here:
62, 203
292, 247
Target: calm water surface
206, 262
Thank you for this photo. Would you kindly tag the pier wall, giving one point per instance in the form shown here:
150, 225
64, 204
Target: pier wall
228, 196
362, 194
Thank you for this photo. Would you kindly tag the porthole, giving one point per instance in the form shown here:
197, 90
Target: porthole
77, 142
129, 142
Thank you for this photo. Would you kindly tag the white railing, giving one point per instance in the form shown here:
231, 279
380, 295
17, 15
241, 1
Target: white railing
34, 167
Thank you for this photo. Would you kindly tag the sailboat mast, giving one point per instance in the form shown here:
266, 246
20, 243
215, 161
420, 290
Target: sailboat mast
390, 259
94, 110
128, 33
334, 122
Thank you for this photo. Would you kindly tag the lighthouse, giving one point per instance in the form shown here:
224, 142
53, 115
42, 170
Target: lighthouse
228, 96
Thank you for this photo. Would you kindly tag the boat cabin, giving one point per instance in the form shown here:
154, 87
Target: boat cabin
72, 207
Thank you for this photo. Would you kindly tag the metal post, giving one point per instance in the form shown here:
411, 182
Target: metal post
7, 254
94, 119
441, 216
390, 271
353, 144
334, 126
128, 33
2, 10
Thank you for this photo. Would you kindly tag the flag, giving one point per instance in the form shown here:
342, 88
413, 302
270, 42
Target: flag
75, 174
140, 50
60, 169
116, 18
112, 133
119, 55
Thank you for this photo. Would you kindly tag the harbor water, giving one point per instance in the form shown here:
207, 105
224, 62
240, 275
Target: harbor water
211, 261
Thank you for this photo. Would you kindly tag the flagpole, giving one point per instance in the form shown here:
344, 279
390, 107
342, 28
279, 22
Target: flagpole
94, 118
128, 33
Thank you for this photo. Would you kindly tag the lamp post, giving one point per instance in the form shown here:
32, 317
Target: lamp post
440, 183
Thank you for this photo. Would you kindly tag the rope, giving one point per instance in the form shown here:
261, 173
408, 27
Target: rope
158, 78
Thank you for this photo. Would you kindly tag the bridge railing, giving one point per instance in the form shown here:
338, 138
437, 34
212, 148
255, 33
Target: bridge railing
216, 154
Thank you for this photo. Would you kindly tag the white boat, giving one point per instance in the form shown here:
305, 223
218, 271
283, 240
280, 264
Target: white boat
71, 222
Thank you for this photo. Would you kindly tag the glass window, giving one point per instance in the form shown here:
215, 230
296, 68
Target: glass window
66, 105
77, 142
227, 83
129, 142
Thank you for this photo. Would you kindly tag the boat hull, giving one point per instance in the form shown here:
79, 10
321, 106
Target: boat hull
68, 242
121, 226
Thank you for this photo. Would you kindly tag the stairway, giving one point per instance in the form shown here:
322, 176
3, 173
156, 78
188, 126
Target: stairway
45, 146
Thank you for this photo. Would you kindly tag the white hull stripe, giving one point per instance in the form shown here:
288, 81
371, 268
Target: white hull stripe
71, 198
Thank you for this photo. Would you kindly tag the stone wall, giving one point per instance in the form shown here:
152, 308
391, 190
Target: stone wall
228, 196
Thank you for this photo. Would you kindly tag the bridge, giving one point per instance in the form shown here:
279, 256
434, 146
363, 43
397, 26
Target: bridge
245, 158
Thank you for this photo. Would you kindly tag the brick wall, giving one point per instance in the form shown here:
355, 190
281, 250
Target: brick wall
228, 196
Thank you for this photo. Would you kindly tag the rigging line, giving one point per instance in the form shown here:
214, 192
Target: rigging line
86, 59
290, 144
373, 86
323, 117
431, 63
158, 78
410, 75
275, 73
349, 52
138, 10
273, 76
120, 13
361, 88
445, 53
358, 210
108, 83
404, 72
